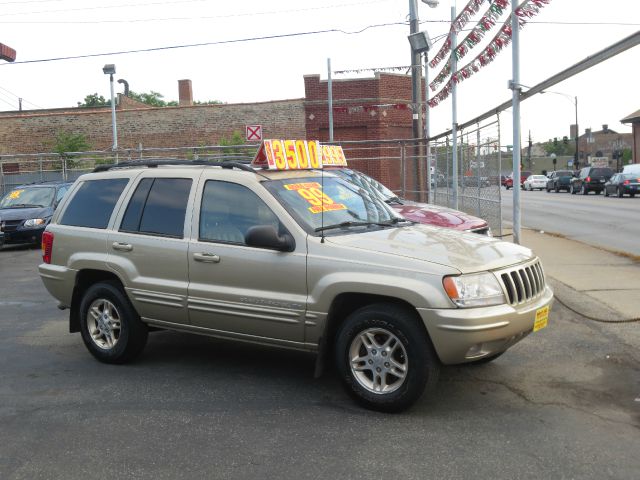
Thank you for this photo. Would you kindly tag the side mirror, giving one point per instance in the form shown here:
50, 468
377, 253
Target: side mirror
266, 236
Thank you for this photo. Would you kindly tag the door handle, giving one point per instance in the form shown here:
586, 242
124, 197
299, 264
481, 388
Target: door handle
122, 247
206, 257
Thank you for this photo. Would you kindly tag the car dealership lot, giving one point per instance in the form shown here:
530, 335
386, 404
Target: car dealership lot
562, 404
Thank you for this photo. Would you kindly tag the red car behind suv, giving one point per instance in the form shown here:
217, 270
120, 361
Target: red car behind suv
508, 182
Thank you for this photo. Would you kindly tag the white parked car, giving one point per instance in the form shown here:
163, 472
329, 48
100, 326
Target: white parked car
535, 181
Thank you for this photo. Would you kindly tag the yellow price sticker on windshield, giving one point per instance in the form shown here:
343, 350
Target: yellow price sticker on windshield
15, 194
312, 193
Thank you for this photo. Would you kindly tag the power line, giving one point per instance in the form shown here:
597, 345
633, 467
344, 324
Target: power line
204, 44
18, 97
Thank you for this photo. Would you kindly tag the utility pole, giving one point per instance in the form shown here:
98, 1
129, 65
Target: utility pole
454, 112
529, 152
416, 96
515, 87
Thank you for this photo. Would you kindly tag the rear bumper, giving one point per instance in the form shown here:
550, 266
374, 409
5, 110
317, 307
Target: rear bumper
59, 281
464, 335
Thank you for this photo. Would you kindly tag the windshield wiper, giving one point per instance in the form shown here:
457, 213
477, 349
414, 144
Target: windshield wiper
24, 205
352, 224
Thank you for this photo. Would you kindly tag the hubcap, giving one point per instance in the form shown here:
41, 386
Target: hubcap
378, 360
103, 323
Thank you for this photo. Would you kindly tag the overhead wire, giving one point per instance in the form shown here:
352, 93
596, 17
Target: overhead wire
202, 44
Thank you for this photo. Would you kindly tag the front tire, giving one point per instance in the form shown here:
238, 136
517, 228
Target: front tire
111, 329
385, 357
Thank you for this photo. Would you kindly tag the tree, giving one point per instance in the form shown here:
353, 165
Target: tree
559, 147
155, 99
236, 139
94, 100
208, 102
66, 142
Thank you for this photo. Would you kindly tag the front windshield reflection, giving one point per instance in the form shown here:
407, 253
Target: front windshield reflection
28, 197
319, 202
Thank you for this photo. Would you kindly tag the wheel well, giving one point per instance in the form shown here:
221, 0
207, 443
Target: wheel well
84, 279
343, 306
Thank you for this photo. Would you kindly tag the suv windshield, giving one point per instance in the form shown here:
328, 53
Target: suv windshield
28, 197
330, 204
367, 183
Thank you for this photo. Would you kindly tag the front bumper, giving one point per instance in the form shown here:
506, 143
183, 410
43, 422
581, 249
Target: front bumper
463, 335
22, 235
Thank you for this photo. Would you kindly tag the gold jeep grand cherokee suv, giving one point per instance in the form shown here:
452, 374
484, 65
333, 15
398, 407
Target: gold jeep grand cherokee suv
293, 258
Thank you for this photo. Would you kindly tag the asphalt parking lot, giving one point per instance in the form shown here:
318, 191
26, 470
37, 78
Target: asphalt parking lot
563, 403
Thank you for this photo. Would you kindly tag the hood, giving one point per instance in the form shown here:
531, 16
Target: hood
466, 252
438, 216
24, 213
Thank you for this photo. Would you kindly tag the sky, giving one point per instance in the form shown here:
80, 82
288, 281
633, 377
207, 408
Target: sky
355, 34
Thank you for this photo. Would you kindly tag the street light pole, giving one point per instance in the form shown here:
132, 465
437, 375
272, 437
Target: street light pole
110, 69
575, 156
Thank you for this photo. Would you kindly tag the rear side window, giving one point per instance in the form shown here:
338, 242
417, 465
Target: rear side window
93, 203
158, 207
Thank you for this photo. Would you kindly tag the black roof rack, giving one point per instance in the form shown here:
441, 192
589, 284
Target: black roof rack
153, 163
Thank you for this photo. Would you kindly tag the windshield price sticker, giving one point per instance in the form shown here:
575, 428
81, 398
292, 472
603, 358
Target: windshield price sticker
15, 194
333, 156
288, 155
312, 193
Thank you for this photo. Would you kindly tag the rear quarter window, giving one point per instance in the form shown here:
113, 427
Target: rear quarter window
93, 203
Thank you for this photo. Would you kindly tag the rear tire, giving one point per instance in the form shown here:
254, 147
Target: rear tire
111, 328
385, 357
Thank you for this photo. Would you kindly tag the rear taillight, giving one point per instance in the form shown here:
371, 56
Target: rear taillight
47, 245
588, 179
626, 182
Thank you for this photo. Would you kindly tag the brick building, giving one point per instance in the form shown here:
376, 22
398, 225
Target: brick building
364, 109
602, 143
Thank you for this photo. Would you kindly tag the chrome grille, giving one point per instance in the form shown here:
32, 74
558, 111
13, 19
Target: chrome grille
523, 283
10, 225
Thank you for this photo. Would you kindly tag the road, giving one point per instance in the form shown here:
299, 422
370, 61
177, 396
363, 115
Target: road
563, 403
611, 222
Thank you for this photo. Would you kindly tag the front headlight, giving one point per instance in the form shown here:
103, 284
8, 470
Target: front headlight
35, 222
475, 290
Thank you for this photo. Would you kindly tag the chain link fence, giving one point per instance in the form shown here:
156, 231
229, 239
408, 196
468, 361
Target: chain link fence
398, 164
479, 175
23, 169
